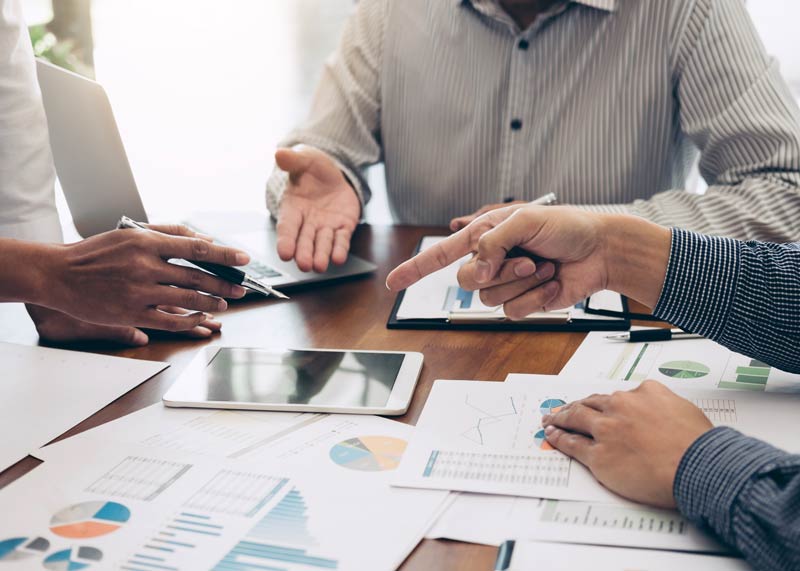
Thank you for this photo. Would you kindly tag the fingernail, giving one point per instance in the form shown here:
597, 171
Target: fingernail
222, 305
545, 271
238, 291
482, 271
203, 331
548, 430
242, 258
524, 269
140, 338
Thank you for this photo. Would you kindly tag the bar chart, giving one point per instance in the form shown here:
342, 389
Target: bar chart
281, 541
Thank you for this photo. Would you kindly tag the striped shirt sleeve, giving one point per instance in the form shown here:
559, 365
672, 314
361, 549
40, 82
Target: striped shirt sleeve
344, 121
745, 491
738, 111
744, 295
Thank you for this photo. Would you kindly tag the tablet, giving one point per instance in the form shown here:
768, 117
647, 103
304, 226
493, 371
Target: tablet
309, 380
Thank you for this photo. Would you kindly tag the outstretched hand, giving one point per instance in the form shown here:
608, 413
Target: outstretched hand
319, 210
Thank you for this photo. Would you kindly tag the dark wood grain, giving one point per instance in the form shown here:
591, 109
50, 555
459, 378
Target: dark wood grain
352, 315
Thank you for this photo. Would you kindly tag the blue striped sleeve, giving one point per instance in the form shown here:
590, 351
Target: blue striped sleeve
744, 295
745, 491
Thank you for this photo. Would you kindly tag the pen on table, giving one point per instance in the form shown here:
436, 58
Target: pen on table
226, 273
656, 334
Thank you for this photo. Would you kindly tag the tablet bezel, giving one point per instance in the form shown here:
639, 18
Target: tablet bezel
179, 394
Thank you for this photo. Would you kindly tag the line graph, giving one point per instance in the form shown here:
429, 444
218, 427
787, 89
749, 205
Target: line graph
485, 417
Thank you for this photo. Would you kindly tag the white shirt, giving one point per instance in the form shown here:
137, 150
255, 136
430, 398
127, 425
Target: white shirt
27, 171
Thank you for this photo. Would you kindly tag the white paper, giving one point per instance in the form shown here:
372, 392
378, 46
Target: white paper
490, 520
487, 437
686, 363
219, 433
339, 502
563, 557
45, 392
438, 296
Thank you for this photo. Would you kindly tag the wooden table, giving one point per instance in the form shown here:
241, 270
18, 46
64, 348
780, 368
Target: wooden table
351, 315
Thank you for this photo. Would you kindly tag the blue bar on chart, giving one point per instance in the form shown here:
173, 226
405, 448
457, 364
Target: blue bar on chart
279, 542
179, 534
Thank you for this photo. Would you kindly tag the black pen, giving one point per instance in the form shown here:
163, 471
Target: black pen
227, 273
655, 334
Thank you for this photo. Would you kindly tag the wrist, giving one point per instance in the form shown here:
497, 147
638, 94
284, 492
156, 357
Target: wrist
31, 278
637, 255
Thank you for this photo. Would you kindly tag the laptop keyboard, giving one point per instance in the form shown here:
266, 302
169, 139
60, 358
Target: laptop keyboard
261, 271
255, 268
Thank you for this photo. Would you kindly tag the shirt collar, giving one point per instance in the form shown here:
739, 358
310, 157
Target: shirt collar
606, 5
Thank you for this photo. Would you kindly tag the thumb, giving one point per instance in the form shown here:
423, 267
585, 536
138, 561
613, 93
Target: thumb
293, 162
494, 245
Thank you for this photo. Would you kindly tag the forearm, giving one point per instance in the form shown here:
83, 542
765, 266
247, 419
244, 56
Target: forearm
745, 296
747, 492
637, 255
27, 270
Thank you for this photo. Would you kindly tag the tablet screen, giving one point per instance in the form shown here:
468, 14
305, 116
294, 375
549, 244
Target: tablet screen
332, 378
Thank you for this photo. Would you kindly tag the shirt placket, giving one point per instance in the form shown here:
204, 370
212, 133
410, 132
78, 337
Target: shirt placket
515, 121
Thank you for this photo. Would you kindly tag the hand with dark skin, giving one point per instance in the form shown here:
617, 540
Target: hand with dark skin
632, 441
109, 285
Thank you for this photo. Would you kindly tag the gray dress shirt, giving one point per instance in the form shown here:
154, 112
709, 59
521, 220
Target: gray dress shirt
607, 103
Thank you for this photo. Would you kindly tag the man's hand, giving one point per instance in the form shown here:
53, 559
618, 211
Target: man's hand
122, 278
591, 252
319, 210
457, 224
573, 239
632, 441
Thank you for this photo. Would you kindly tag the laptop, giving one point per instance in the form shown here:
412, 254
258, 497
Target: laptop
99, 186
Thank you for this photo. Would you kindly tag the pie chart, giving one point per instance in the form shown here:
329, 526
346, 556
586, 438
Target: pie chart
18, 548
684, 369
89, 519
73, 559
369, 453
541, 440
550, 406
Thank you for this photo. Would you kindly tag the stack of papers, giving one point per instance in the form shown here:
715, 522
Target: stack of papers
181, 489
485, 442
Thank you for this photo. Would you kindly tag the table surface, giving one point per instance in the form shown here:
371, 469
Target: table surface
350, 314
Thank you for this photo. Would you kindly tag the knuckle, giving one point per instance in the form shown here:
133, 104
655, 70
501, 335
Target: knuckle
200, 248
194, 279
190, 298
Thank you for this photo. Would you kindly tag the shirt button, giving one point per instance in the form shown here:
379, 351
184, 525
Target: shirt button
516, 125
523, 45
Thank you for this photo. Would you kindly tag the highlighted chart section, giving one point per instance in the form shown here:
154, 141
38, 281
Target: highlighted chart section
684, 369
369, 453
752, 377
18, 548
550, 406
74, 559
541, 440
89, 519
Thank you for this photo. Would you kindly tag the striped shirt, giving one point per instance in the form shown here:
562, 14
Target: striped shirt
604, 102
746, 296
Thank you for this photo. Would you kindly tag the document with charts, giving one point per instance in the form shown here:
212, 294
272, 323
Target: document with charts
335, 500
506, 517
681, 363
487, 437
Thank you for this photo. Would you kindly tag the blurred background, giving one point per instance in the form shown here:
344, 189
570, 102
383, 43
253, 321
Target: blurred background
203, 90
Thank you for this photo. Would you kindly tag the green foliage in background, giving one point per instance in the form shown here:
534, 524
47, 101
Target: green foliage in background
61, 53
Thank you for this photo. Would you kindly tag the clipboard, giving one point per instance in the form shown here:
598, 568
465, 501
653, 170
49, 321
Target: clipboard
603, 322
